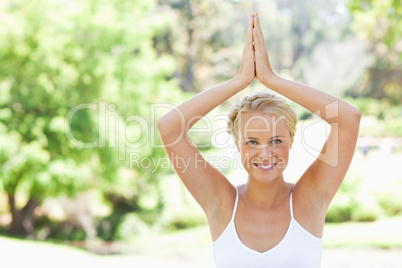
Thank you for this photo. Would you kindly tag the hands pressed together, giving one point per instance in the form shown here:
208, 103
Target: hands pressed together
255, 61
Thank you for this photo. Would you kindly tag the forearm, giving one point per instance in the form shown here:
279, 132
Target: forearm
191, 111
329, 108
173, 124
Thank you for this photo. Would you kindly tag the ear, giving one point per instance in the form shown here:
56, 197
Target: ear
291, 144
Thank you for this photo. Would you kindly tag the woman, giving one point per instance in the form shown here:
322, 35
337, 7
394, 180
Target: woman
266, 222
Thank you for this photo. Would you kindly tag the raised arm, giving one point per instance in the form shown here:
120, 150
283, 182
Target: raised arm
322, 179
205, 183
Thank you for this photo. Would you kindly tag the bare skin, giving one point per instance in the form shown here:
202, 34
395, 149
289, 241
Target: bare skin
263, 209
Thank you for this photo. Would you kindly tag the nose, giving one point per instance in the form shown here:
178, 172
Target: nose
265, 153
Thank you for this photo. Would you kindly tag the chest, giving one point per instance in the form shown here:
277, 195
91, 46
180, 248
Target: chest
262, 229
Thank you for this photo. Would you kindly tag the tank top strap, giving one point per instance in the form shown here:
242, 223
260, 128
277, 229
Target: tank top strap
291, 205
235, 206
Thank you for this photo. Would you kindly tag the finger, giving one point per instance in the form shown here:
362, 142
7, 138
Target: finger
257, 26
249, 40
259, 44
257, 41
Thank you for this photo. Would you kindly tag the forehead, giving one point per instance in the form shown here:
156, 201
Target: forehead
255, 123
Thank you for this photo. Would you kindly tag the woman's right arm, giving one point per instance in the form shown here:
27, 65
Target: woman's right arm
205, 183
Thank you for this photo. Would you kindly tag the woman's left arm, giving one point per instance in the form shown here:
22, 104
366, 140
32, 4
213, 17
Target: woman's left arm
323, 178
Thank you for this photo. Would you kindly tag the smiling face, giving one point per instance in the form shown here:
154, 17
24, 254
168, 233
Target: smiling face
264, 144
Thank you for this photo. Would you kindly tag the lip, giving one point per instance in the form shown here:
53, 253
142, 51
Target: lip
266, 168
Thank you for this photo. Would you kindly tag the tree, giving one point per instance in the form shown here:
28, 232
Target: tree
380, 24
62, 63
196, 29
206, 37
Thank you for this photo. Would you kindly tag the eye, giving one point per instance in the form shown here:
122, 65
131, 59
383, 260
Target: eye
276, 141
251, 142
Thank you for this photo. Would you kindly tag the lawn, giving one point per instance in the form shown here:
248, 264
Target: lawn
345, 245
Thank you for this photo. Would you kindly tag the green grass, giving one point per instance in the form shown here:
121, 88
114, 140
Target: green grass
186, 248
21, 253
386, 233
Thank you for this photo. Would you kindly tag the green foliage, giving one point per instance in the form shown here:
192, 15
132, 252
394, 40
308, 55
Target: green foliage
130, 226
58, 55
372, 127
391, 201
120, 57
379, 22
186, 217
339, 213
378, 19
22, 163
350, 204
380, 118
60, 231
342, 206
207, 37
367, 106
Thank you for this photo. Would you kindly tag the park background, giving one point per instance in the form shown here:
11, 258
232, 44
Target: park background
84, 179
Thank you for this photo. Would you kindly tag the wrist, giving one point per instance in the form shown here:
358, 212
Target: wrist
268, 79
241, 81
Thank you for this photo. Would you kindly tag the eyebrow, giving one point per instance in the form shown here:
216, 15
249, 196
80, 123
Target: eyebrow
252, 138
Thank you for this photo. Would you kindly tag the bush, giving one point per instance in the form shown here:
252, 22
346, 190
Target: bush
339, 212
68, 230
186, 217
365, 208
130, 226
351, 205
353, 209
391, 201
381, 109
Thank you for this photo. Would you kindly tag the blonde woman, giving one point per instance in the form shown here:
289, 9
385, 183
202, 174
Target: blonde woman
266, 222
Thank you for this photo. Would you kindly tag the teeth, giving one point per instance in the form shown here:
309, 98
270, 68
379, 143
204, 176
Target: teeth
269, 166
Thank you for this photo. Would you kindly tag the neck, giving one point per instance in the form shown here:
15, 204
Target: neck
266, 194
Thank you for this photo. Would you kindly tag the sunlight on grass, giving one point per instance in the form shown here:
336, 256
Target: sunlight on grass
386, 233
192, 248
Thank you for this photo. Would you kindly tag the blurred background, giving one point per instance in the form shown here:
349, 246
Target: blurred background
84, 179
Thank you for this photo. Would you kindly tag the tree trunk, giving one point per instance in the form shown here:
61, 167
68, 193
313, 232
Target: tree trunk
23, 221
187, 81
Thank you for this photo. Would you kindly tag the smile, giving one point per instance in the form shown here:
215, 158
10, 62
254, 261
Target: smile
265, 167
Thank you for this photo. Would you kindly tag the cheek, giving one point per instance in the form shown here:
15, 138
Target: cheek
281, 152
285, 149
247, 154
283, 157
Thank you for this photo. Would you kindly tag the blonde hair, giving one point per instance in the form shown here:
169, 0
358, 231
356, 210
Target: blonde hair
267, 104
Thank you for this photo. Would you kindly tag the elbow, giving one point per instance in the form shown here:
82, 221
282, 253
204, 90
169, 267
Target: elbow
350, 113
356, 115
167, 128
350, 118
161, 124
353, 119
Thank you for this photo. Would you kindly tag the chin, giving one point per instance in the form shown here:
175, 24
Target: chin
265, 179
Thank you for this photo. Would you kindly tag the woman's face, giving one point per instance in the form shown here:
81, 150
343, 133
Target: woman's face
264, 144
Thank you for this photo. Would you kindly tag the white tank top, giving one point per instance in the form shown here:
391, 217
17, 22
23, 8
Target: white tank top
297, 249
